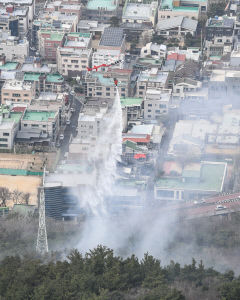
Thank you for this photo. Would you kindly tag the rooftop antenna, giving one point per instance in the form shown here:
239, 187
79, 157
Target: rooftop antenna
42, 242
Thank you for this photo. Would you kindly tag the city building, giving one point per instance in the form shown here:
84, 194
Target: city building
141, 12
176, 27
113, 38
194, 181
71, 62
219, 37
101, 85
156, 104
45, 120
49, 41
14, 91
13, 48
172, 8
154, 50
101, 11
9, 126
78, 40
153, 79
103, 56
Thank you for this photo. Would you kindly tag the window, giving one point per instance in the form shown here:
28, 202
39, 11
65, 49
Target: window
99, 94
4, 145
16, 95
107, 89
140, 93
76, 66
107, 94
44, 126
149, 116
5, 94
25, 125
3, 140
90, 89
35, 125
157, 111
98, 88
69, 66
149, 110
123, 89
141, 87
162, 106
65, 60
149, 105
26, 95
5, 134
165, 193
73, 61
90, 95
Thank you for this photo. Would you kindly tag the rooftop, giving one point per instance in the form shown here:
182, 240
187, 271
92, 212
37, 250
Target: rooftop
53, 36
39, 115
17, 85
127, 102
112, 36
153, 76
138, 11
56, 78
32, 76
168, 5
104, 80
9, 66
220, 22
212, 178
105, 4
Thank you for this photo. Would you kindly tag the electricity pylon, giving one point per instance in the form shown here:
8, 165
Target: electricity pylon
42, 242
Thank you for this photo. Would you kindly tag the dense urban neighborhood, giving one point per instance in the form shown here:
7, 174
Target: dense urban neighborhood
119, 110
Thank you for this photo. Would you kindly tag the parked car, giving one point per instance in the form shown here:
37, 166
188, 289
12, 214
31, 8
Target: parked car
61, 136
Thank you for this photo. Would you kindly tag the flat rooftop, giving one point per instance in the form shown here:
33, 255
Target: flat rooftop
9, 66
39, 115
212, 178
138, 11
31, 76
168, 5
55, 78
128, 102
109, 5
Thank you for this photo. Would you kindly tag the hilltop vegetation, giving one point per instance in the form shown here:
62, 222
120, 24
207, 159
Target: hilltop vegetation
99, 275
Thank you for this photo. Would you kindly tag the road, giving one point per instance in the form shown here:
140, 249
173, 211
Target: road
70, 130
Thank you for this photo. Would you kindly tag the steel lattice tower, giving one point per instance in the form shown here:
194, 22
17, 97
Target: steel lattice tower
42, 242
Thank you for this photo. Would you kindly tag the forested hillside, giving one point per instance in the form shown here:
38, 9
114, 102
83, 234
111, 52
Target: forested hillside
99, 275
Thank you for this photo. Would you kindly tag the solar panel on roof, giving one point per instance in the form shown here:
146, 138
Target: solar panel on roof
112, 37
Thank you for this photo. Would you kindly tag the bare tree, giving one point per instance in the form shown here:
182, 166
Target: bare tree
4, 196
26, 197
16, 194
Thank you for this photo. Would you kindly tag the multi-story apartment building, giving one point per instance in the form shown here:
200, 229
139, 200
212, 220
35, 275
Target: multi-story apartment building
13, 48
46, 120
156, 104
14, 91
78, 40
49, 41
71, 62
151, 79
101, 85
102, 11
102, 56
219, 36
9, 126
140, 12
187, 8
30, 4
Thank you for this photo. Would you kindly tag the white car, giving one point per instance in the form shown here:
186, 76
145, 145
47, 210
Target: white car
61, 136
220, 207
68, 122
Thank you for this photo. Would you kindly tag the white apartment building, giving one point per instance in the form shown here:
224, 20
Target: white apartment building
46, 120
12, 48
156, 104
103, 56
140, 12
70, 61
14, 91
9, 126
150, 79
